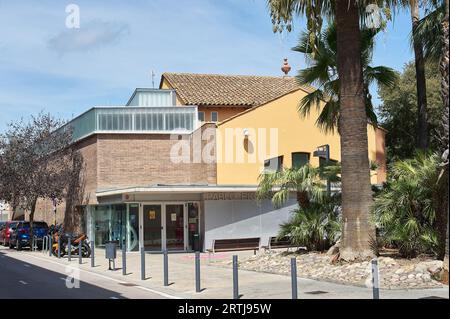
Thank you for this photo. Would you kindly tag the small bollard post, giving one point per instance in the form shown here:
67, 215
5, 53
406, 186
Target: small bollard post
375, 279
92, 254
235, 278
166, 268
43, 244
142, 263
124, 257
197, 271
46, 242
50, 248
59, 246
69, 247
80, 252
294, 277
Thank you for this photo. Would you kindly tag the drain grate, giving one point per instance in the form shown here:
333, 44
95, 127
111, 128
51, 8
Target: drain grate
127, 284
316, 292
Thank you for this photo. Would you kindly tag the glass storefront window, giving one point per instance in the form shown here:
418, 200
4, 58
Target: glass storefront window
119, 221
133, 227
108, 224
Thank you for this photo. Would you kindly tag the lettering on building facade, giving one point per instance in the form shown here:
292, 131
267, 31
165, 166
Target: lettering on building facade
230, 196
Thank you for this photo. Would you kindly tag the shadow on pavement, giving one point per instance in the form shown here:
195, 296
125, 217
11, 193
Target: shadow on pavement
22, 280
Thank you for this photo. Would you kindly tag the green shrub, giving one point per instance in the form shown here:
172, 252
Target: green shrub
404, 211
317, 227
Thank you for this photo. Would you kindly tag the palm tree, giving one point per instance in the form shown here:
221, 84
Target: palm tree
429, 32
316, 222
317, 227
323, 73
422, 119
406, 209
445, 96
306, 182
356, 188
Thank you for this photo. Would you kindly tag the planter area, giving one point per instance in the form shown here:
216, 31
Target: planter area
395, 273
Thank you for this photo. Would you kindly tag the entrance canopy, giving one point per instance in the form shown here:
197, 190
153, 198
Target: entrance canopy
175, 189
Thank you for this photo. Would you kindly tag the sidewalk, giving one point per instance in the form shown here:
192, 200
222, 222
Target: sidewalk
216, 282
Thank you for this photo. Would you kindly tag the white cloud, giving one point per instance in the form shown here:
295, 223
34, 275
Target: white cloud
89, 36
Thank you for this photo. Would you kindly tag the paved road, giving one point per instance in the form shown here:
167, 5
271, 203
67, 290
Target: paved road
35, 275
20, 279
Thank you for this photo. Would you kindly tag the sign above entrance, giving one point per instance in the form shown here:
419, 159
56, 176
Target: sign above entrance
128, 197
230, 196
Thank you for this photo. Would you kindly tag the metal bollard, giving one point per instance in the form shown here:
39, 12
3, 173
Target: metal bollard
142, 263
124, 257
44, 243
59, 246
80, 252
50, 247
166, 268
375, 279
294, 277
197, 271
235, 278
92, 254
69, 247
47, 244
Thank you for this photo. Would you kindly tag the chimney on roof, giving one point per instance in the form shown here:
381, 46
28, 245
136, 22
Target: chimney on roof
286, 67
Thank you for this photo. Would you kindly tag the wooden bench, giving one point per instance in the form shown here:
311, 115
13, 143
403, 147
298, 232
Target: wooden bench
284, 242
235, 244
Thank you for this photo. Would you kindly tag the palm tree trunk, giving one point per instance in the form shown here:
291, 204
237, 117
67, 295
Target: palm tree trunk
303, 199
422, 116
356, 189
445, 96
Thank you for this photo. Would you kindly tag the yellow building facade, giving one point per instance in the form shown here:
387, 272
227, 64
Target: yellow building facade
277, 124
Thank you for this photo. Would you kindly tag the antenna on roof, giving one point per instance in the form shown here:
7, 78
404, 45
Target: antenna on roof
153, 79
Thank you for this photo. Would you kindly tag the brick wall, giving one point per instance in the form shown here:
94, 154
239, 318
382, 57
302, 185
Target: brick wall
126, 160
113, 161
88, 185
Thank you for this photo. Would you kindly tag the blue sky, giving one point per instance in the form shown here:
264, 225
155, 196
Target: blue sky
46, 66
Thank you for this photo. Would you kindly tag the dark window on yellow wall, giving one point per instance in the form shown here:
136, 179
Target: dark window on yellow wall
273, 164
300, 159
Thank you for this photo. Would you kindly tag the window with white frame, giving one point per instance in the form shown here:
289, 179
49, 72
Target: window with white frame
273, 164
214, 116
201, 116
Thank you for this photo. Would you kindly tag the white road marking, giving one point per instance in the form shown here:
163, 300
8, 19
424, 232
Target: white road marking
23, 282
113, 298
26, 265
109, 278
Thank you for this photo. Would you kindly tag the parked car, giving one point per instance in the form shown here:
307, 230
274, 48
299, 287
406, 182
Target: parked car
7, 229
2, 226
21, 237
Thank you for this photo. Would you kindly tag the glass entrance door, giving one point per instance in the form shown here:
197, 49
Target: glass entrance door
174, 226
152, 217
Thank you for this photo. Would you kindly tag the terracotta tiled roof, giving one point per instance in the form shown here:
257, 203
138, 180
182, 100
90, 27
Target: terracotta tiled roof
230, 90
